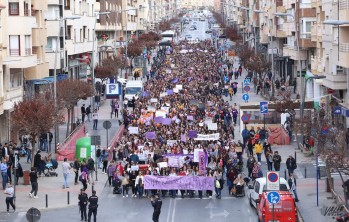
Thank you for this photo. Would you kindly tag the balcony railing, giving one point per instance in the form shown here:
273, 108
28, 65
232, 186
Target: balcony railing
28, 51
15, 52
344, 47
305, 35
34, 50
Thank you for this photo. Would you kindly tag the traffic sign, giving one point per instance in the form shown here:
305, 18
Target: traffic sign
106, 124
337, 110
245, 118
273, 197
263, 107
245, 97
273, 180
247, 82
247, 88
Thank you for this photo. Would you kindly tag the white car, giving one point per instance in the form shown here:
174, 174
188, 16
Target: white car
259, 186
122, 81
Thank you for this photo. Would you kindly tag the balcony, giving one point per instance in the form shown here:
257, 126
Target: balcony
78, 47
344, 55
316, 65
280, 33
39, 37
288, 27
1, 105
305, 41
336, 82
39, 5
343, 10
37, 72
292, 52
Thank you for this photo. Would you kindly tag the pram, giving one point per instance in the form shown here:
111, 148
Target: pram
50, 168
117, 186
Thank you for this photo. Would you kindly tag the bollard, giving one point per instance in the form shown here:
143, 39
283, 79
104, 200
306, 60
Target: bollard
305, 172
68, 197
285, 174
242, 89
46, 197
295, 156
318, 173
93, 188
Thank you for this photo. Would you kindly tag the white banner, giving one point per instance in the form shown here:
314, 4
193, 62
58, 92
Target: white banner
133, 130
196, 155
179, 87
161, 113
214, 136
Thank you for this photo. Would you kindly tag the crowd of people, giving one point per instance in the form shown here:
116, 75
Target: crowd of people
189, 88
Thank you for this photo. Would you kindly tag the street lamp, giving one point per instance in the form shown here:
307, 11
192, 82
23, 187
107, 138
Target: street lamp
280, 14
61, 22
93, 54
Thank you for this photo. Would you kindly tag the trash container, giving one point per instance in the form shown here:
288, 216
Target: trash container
26, 178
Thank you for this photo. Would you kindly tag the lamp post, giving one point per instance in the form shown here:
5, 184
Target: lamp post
93, 54
279, 14
61, 22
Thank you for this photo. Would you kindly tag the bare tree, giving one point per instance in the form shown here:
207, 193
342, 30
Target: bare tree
69, 92
35, 116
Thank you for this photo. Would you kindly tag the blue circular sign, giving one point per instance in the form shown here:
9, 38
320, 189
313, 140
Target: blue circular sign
245, 118
273, 197
245, 97
247, 88
273, 177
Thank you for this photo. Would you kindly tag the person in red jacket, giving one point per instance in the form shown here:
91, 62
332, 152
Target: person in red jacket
120, 168
182, 173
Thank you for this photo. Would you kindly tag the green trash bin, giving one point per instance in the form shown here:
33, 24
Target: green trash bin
83, 148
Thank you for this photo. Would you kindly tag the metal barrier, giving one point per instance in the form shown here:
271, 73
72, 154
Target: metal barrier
339, 200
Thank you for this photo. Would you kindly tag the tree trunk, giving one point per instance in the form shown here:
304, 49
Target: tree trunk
33, 149
68, 123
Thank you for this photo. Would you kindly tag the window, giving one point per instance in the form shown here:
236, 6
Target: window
15, 78
26, 9
14, 45
308, 26
256, 187
13, 8
28, 49
84, 34
69, 30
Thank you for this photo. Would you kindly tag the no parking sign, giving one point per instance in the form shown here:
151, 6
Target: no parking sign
273, 181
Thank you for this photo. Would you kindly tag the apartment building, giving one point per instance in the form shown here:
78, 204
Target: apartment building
330, 57
22, 52
109, 31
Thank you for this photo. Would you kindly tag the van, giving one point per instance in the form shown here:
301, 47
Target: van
284, 211
259, 186
133, 88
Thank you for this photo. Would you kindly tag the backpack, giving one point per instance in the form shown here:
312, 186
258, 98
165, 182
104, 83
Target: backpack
90, 165
80, 178
98, 154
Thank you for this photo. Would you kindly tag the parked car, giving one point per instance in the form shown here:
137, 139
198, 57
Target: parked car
259, 186
208, 31
284, 211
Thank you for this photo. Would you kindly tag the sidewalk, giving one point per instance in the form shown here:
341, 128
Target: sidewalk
52, 187
305, 172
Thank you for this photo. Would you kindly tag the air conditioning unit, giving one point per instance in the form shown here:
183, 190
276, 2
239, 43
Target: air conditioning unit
340, 69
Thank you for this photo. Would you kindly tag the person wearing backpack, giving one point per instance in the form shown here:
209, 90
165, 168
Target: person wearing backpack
291, 165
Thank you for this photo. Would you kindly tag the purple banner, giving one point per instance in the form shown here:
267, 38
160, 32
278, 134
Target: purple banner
166, 121
183, 138
174, 80
178, 183
192, 134
146, 94
158, 119
150, 135
169, 92
202, 162
190, 118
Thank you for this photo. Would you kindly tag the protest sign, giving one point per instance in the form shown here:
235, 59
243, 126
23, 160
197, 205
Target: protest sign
133, 130
153, 100
178, 183
178, 159
162, 164
160, 113
212, 126
190, 118
165, 108
175, 90
135, 168
179, 87
151, 108
150, 135
214, 136
196, 155
202, 161
158, 119
169, 92
183, 138
192, 133
171, 142
163, 94
166, 121
172, 161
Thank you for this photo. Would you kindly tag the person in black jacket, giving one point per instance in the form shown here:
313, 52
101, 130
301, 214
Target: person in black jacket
83, 200
92, 208
76, 168
156, 203
34, 181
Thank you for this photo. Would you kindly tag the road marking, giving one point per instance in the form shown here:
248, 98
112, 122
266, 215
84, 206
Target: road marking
174, 211
169, 211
